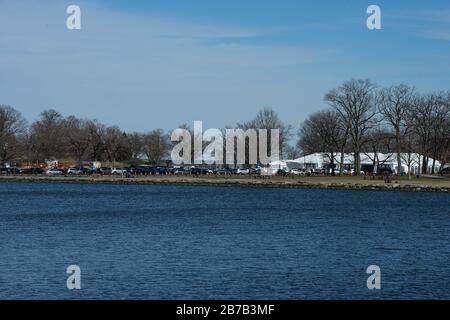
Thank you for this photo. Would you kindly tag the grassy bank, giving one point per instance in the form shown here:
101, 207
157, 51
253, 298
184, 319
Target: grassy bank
359, 183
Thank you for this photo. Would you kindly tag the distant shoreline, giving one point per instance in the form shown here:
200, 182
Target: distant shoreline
339, 183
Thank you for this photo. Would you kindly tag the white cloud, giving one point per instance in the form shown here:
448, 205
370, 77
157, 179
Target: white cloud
122, 64
430, 24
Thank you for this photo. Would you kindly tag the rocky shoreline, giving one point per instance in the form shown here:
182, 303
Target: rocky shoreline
238, 182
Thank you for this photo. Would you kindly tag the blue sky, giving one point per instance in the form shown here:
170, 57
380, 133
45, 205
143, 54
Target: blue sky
149, 64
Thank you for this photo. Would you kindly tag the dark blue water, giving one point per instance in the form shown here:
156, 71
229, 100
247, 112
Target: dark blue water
179, 242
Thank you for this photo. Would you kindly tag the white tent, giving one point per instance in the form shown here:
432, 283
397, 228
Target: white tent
321, 160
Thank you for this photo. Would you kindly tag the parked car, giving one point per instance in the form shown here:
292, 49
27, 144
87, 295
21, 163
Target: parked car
243, 171
31, 171
53, 172
317, 172
194, 170
180, 170
37, 171
118, 171
202, 171
282, 172
75, 170
88, 170
224, 171
445, 171
13, 170
256, 170
297, 172
5, 170
161, 170
136, 170
105, 170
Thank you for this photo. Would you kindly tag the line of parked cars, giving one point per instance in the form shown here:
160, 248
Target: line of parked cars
177, 170
156, 170
4, 170
132, 170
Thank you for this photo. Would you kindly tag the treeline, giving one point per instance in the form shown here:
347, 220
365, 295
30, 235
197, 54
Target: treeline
363, 118
53, 136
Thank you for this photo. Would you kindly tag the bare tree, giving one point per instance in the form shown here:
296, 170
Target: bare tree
445, 156
96, 132
12, 130
156, 145
117, 147
410, 143
440, 136
322, 132
77, 137
268, 119
136, 141
429, 118
354, 101
379, 140
393, 104
47, 136
292, 152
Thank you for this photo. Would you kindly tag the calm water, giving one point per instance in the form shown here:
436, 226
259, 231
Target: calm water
179, 242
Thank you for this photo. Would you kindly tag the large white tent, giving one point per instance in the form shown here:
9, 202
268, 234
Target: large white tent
321, 160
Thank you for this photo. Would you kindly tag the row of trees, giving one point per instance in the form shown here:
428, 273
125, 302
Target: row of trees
53, 136
363, 118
